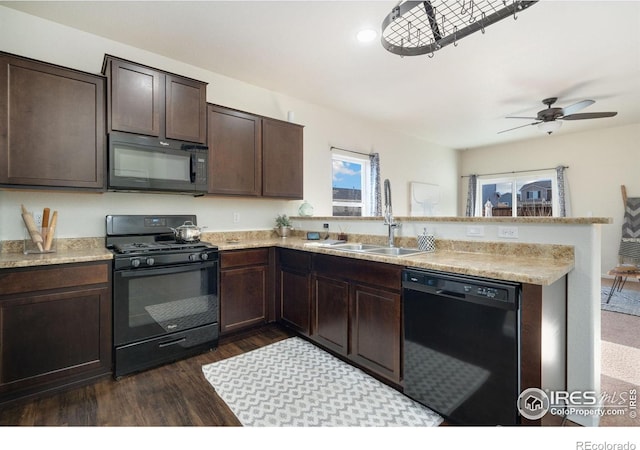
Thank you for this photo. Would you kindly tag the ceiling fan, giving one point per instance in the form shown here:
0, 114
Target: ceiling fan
549, 119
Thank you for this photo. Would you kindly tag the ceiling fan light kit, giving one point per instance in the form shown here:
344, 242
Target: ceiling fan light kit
417, 28
549, 127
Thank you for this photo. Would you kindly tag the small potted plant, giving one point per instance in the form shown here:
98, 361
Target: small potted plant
283, 225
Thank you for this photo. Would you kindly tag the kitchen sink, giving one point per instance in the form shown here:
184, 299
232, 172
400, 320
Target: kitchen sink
376, 249
394, 251
356, 247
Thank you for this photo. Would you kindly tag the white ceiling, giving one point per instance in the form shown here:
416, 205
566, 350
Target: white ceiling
573, 50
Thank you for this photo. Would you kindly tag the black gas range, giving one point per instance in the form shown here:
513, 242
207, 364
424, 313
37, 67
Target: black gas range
165, 292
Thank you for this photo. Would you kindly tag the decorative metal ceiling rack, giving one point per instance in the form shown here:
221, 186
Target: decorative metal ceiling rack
417, 28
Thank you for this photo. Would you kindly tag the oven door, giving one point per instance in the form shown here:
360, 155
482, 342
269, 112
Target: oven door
153, 302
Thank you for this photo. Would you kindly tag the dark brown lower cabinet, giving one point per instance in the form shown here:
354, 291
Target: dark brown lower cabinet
244, 289
357, 312
294, 290
55, 327
375, 330
331, 313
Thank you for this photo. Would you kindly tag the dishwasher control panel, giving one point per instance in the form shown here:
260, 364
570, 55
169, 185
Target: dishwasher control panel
459, 285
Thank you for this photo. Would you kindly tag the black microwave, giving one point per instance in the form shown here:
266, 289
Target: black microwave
149, 164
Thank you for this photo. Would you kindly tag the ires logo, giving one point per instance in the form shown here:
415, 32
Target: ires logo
534, 403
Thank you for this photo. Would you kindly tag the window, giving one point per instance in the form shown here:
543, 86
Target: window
519, 194
350, 185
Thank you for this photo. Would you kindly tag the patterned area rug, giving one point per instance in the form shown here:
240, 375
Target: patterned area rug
624, 301
292, 383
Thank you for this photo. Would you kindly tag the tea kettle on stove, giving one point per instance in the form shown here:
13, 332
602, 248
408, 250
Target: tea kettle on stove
187, 232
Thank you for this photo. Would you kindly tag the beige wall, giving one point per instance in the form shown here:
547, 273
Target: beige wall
599, 161
403, 158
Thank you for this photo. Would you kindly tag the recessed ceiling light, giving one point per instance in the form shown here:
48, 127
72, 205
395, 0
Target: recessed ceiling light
366, 35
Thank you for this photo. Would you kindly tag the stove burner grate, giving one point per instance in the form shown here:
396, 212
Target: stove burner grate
144, 247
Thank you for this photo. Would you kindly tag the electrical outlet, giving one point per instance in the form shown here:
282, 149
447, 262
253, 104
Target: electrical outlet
475, 230
325, 226
37, 218
236, 217
508, 232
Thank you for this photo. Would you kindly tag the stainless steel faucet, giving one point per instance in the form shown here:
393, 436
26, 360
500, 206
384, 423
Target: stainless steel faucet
388, 212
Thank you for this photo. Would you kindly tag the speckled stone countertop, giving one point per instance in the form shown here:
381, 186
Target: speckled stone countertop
496, 219
67, 251
524, 263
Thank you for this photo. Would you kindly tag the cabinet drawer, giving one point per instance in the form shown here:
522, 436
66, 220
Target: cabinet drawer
53, 277
239, 258
296, 260
373, 273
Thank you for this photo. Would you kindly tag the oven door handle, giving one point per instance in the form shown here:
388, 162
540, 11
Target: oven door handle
166, 270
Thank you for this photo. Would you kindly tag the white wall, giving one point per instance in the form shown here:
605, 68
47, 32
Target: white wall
403, 158
599, 161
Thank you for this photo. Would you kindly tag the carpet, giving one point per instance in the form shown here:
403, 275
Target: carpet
293, 383
625, 301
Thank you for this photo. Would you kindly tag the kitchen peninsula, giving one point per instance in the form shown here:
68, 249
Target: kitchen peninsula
554, 258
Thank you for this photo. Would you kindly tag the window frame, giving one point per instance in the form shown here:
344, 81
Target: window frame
513, 179
365, 180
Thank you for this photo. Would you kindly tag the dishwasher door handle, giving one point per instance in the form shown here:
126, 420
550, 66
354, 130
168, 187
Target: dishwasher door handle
451, 294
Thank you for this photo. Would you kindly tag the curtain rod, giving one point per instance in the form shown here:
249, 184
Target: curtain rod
349, 151
515, 171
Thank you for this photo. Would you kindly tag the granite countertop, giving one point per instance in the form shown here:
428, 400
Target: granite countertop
524, 263
63, 256
484, 220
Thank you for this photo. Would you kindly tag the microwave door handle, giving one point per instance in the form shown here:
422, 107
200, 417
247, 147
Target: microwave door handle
193, 167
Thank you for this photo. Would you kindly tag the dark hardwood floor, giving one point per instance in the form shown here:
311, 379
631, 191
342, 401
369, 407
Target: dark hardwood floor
172, 395
175, 394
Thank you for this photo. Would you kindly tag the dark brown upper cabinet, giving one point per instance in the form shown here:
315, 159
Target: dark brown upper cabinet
234, 139
52, 125
145, 100
250, 155
281, 159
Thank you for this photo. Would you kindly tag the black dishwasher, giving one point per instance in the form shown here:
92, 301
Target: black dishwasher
461, 346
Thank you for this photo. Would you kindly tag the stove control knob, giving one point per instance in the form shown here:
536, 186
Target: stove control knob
204, 256
193, 257
135, 262
150, 261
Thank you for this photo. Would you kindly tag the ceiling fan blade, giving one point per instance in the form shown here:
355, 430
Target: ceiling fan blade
520, 117
595, 115
571, 109
521, 126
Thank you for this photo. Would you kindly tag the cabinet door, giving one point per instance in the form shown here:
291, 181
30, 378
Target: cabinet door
375, 330
331, 313
282, 159
243, 297
295, 299
235, 152
186, 112
137, 98
54, 339
52, 127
